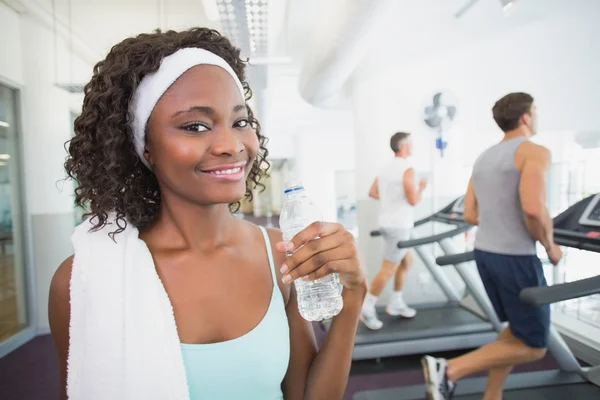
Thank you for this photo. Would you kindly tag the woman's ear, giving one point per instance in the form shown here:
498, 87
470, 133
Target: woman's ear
148, 156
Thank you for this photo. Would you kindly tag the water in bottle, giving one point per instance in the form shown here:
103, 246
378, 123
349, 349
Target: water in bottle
319, 299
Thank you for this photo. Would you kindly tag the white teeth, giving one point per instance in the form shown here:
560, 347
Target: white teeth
228, 171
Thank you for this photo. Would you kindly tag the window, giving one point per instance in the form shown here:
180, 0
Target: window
13, 299
574, 178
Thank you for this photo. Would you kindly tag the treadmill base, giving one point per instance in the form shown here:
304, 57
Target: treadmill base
562, 385
446, 327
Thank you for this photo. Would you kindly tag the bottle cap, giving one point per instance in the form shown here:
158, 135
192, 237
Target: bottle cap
293, 185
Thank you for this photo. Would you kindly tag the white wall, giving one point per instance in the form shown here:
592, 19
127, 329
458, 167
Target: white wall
556, 60
10, 61
46, 125
319, 154
319, 141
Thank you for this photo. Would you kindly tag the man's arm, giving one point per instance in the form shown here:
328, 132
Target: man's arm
471, 214
412, 193
533, 162
374, 191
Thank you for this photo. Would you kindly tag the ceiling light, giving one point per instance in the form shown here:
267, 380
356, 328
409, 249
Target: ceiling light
2, 164
508, 6
4, 156
4, 124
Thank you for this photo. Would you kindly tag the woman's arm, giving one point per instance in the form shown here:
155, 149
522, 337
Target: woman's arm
328, 375
322, 374
59, 309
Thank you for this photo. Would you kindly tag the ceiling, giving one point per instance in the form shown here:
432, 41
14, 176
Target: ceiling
404, 32
298, 30
296, 27
102, 24
433, 28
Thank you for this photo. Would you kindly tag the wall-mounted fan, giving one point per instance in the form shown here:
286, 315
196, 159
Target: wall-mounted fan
439, 115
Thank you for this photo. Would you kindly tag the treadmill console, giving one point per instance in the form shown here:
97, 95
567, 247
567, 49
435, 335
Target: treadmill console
459, 205
591, 215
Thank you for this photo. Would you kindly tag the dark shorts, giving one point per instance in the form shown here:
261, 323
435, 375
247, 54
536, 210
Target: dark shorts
504, 276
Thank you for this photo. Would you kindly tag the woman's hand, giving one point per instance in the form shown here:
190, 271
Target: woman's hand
334, 252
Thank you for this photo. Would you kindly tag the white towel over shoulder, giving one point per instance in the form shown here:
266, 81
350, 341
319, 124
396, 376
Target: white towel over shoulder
123, 340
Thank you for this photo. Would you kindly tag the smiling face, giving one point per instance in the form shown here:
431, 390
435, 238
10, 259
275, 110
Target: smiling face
199, 138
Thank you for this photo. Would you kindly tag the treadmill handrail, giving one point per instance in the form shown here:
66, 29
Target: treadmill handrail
454, 259
578, 240
573, 235
423, 221
403, 244
449, 217
538, 296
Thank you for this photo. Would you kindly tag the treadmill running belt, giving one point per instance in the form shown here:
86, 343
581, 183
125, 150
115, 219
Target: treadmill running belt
573, 391
428, 323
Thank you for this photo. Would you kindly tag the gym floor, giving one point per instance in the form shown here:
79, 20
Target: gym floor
31, 373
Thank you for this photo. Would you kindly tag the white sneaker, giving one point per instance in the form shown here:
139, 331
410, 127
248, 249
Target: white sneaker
397, 307
369, 318
437, 385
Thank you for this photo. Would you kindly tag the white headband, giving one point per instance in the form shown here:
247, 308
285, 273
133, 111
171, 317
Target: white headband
153, 86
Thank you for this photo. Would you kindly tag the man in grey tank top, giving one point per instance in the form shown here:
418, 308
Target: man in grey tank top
506, 199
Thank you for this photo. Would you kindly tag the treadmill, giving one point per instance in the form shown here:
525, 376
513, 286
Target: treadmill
577, 227
436, 327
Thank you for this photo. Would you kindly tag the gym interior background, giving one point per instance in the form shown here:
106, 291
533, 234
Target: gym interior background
332, 81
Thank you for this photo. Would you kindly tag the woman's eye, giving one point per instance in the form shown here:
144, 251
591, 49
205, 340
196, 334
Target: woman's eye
243, 123
195, 127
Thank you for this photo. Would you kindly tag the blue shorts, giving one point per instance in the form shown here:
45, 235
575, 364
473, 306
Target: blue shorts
504, 276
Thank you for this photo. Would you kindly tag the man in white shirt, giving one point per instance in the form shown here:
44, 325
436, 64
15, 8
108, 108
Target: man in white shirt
396, 189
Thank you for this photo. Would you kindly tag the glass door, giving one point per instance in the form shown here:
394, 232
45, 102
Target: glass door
13, 296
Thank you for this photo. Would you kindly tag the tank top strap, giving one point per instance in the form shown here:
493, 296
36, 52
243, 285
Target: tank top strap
269, 255
511, 145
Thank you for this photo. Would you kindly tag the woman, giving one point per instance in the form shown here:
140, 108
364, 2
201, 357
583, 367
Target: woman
169, 164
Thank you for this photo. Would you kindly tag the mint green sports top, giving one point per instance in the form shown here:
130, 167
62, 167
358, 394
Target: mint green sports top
251, 366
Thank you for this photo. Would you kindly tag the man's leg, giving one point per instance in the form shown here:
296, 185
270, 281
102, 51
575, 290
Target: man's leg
499, 357
525, 341
397, 306
392, 256
368, 313
388, 269
403, 268
497, 376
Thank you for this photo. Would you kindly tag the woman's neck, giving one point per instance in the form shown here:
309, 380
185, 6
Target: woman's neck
193, 226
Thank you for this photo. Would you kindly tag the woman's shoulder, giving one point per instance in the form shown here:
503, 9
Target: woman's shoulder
275, 236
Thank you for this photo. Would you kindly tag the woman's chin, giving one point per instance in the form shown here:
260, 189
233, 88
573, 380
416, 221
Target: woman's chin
227, 198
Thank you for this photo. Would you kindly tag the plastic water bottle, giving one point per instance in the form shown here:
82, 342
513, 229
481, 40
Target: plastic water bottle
319, 299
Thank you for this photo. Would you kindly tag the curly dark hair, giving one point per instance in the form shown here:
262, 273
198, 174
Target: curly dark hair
102, 159
509, 109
